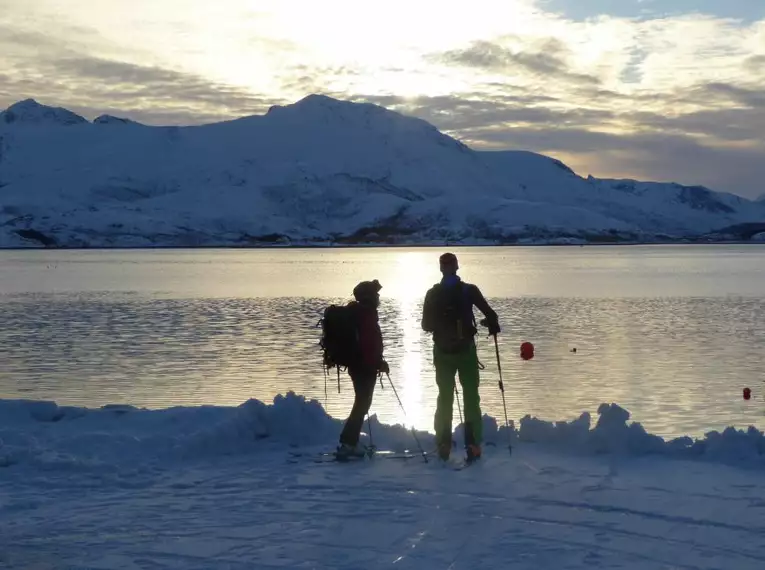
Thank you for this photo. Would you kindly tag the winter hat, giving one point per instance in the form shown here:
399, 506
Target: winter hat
367, 290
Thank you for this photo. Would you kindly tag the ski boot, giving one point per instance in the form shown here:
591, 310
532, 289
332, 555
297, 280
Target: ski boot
346, 451
473, 453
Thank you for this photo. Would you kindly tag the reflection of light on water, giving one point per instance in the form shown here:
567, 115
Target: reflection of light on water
411, 394
408, 285
415, 273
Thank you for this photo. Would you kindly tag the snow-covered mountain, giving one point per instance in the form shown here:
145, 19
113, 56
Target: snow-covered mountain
315, 171
111, 120
30, 112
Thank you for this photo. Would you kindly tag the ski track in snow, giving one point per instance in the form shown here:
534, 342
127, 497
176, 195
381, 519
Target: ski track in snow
534, 509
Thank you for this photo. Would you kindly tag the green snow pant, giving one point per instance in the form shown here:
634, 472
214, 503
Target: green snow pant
466, 364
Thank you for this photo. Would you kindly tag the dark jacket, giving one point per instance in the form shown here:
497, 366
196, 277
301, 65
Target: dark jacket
370, 336
471, 296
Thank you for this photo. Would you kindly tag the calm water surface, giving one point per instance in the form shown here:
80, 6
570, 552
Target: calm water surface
672, 333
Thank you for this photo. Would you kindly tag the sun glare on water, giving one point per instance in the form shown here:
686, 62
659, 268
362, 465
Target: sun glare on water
412, 276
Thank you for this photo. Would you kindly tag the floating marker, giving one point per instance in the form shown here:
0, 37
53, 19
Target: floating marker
747, 394
527, 351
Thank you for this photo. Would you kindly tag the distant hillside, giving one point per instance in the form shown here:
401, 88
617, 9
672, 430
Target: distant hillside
320, 170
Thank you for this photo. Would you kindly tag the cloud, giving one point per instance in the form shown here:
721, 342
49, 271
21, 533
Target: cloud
67, 73
41, 67
314, 79
143, 93
755, 64
131, 81
669, 157
686, 161
466, 112
720, 148
723, 125
547, 61
742, 96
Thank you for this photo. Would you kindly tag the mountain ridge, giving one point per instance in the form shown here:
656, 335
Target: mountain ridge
317, 171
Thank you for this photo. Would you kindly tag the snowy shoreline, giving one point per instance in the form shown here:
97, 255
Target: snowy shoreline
382, 245
33, 432
212, 487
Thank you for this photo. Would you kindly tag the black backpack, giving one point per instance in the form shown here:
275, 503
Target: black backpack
454, 320
339, 336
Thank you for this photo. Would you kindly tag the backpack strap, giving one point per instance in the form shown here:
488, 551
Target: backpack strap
468, 302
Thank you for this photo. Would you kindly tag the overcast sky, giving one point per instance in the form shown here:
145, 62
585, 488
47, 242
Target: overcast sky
654, 89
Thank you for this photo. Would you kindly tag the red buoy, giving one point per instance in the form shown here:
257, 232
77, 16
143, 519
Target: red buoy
527, 351
747, 394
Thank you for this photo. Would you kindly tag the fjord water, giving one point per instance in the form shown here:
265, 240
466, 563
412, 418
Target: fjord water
672, 333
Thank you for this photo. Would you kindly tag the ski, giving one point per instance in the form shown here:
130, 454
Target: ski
328, 457
456, 464
453, 464
464, 464
332, 456
459, 463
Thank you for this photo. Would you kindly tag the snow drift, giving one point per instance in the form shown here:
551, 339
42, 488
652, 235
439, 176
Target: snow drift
315, 171
43, 435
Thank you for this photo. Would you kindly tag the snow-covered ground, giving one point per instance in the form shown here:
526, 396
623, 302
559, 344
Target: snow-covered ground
215, 487
315, 171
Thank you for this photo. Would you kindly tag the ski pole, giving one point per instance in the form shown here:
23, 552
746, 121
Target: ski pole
424, 456
369, 423
459, 407
502, 389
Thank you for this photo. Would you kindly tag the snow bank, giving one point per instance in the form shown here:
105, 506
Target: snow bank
43, 435
46, 435
614, 435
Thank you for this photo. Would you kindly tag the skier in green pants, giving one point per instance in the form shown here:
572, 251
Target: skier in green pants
448, 314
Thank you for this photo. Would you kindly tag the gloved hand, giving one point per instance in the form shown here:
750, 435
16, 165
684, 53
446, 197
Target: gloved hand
383, 367
493, 326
